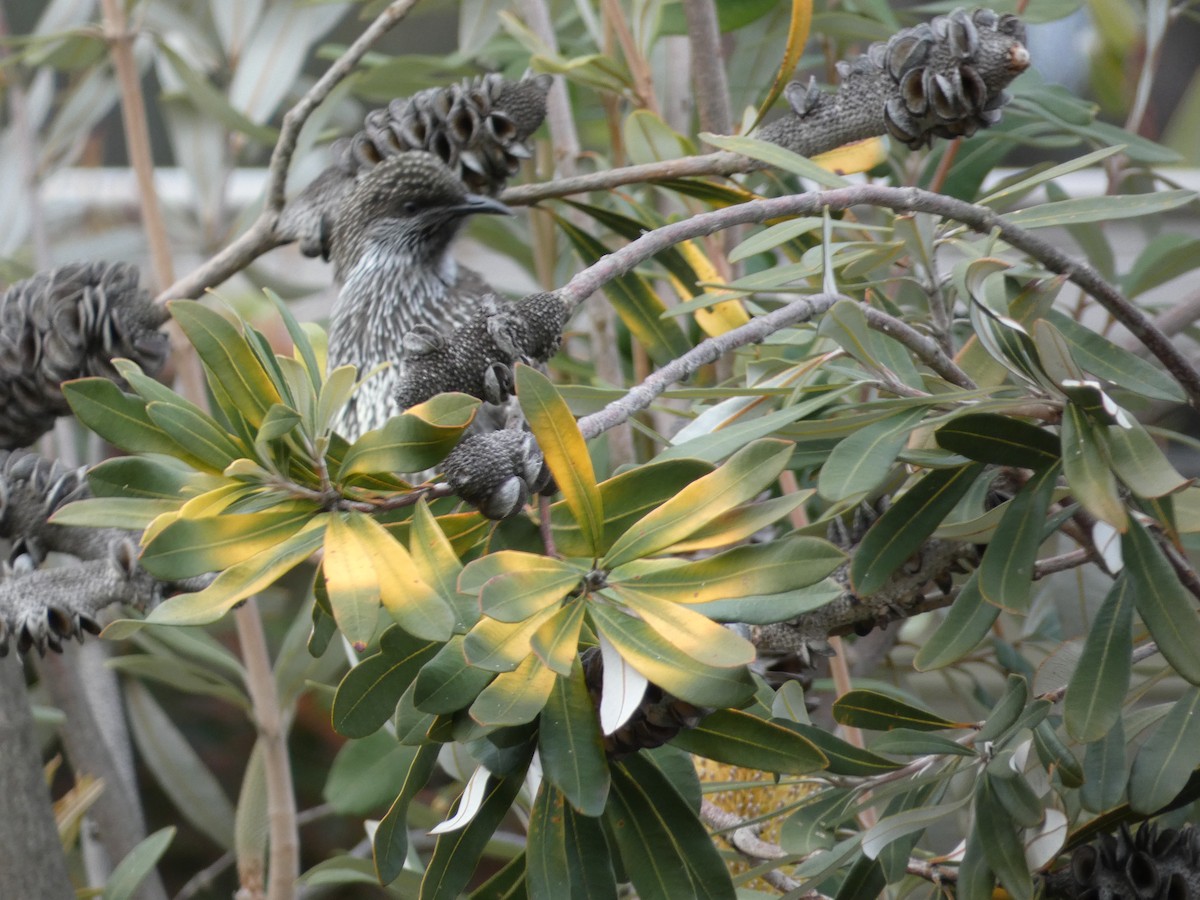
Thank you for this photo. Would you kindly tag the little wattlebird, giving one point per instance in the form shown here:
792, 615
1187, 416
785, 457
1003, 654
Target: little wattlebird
392, 259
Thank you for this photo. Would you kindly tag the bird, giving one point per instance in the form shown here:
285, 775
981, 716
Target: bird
391, 251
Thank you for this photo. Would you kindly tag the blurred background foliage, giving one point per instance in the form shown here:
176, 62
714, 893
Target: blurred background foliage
216, 77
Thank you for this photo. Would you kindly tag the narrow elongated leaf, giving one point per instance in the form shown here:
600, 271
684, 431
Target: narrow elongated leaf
515, 596
844, 757
784, 565
1098, 209
901, 530
741, 739
666, 852
777, 156
908, 742
1007, 711
228, 358
119, 418
1014, 792
412, 602
880, 712
113, 512
1139, 462
1088, 473
235, 583
456, 852
740, 479
147, 477
447, 683
1025, 185
438, 566
742, 522
622, 688
350, 579
892, 828
1001, 440
189, 547
548, 871
696, 635
565, 452
861, 462
1092, 706
846, 324
589, 858
367, 695
625, 498
366, 774
203, 437
1002, 847
133, 869
1163, 603
1163, 764
501, 646
969, 621
660, 662
1104, 771
1106, 360
415, 440
797, 37
556, 642
570, 745
516, 697
1006, 573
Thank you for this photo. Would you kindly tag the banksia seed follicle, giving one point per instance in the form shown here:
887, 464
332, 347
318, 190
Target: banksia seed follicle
69, 323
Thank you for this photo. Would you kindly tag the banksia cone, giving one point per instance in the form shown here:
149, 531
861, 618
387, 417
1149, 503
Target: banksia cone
1154, 864
69, 323
479, 128
944, 78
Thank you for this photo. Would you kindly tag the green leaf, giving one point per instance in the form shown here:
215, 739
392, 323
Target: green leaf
777, 156
147, 477
1006, 573
213, 102
740, 479
1163, 603
1106, 360
1092, 706
741, 739
234, 584
412, 602
674, 671
516, 697
556, 642
204, 438
625, 498
901, 530
767, 609
501, 646
456, 853
690, 632
1002, 847
367, 773
415, 440
665, 851
189, 547
1163, 764
783, 565
1098, 209
438, 566
1139, 462
113, 512
1013, 791
565, 451
1007, 711
862, 462
969, 621
350, 580
589, 858
1088, 473
548, 871
1000, 440
635, 301
133, 869
909, 742
892, 828
741, 522
367, 695
1025, 185
1055, 755
447, 683
844, 758
571, 747
118, 417
880, 712
1104, 770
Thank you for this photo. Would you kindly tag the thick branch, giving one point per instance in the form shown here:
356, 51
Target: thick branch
261, 236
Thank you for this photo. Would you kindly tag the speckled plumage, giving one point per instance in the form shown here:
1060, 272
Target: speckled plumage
391, 254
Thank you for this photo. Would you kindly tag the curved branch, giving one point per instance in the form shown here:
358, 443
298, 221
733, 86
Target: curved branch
261, 236
978, 218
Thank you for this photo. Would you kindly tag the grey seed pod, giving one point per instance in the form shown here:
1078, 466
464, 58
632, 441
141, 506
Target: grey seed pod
497, 472
70, 323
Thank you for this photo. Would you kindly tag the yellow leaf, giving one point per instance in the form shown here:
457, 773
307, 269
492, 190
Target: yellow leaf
720, 317
851, 158
797, 37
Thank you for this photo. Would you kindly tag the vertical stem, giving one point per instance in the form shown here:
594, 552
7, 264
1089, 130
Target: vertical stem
284, 863
137, 138
708, 70
32, 864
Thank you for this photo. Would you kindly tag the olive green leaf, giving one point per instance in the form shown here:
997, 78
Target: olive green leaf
516, 697
969, 621
570, 745
1092, 706
367, 695
1001, 440
189, 547
1006, 573
1163, 764
881, 712
740, 739
1163, 603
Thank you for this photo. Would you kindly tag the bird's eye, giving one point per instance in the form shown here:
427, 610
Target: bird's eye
410, 208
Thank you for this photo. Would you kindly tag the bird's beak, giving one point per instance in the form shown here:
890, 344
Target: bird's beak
473, 204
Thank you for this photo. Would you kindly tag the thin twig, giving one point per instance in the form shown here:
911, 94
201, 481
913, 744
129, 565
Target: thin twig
261, 236
137, 138
978, 218
1061, 563
284, 866
926, 348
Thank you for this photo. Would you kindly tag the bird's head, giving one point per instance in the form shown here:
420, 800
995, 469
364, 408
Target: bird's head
411, 202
